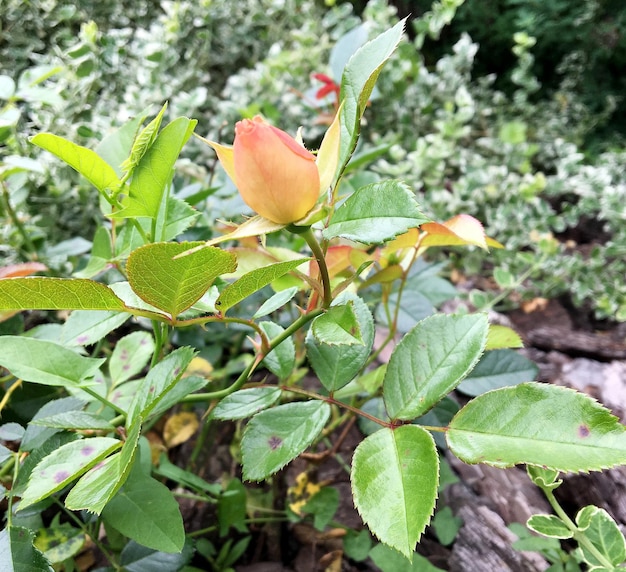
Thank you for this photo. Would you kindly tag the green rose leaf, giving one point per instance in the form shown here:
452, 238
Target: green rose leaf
357, 82
175, 284
74, 420
246, 402
152, 395
86, 327
337, 326
498, 368
87, 162
153, 173
179, 217
47, 363
276, 436
538, 424
143, 141
253, 281
39, 293
430, 361
98, 486
336, 365
64, 465
100, 255
277, 301
116, 146
376, 213
281, 361
394, 484
146, 511
18, 553
130, 355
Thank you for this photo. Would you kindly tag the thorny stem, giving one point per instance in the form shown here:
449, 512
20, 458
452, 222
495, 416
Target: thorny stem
246, 373
334, 401
316, 249
578, 535
330, 399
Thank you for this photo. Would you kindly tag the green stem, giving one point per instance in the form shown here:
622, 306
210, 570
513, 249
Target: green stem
157, 328
246, 373
333, 401
578, 534
103, 400
30, 247
16, 470
202, 320
317, 251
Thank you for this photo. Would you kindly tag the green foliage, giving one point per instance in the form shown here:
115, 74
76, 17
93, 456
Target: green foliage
395, 468
375, 214
499, 427
217, 314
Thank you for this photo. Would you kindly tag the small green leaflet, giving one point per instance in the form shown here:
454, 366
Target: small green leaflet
538, 424
174, 283
44, 362
74, 420
153, 174
160, 380
336, 365
253, 281
357, 83
281, 361
86, 327
498, 368
98, 486
246, 402
64, 465
276, 436
394, 483
39, 293
376, 213
100, 256
430, 361
337, 326
143, 141
130, 356
87, 162
277, 301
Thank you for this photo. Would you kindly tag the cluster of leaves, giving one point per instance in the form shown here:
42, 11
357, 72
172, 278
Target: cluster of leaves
87, 451
515, 159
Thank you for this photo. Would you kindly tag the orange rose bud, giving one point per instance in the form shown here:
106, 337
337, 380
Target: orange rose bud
276, 176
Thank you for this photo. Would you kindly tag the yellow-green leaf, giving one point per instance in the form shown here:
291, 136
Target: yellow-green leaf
174, 283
